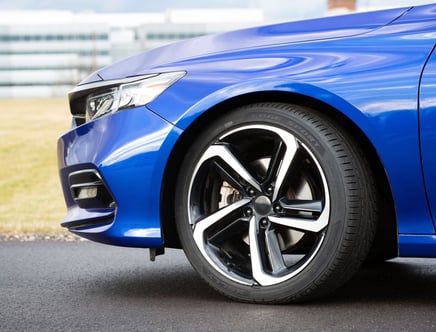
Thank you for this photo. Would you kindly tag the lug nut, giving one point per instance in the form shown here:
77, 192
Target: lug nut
251, 192
277, 208
264, 221
248, 212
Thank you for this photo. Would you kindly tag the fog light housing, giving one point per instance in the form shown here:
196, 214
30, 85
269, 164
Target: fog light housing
89, 191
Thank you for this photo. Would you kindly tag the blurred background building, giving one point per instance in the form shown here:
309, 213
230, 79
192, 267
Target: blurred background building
46, 53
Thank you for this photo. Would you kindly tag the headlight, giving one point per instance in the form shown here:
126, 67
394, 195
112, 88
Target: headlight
108, 97
130, 94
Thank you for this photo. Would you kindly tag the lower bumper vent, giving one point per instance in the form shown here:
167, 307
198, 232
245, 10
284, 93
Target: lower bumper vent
89, 191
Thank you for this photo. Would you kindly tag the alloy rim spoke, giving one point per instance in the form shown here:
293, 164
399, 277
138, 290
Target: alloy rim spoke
256, 258
276, 159
274, 253
228, 177
288, 157
202, 225
303, 224
301, 205
223, 152
257, 265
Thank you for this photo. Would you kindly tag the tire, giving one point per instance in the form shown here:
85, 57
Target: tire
275, 204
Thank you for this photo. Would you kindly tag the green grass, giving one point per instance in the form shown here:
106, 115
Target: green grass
30, 193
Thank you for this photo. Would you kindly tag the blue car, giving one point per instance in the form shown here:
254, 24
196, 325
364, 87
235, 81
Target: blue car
280, 158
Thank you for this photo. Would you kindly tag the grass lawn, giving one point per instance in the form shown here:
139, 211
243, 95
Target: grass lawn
30, 193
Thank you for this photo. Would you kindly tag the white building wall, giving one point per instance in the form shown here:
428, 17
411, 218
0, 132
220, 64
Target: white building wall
34, 91
38, 60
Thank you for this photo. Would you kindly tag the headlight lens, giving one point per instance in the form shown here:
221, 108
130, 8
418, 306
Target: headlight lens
126, 95
99, 104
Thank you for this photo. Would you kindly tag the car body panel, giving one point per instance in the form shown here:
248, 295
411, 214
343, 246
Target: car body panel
252, 38
413, 245
368, 72
427, 105
126, 161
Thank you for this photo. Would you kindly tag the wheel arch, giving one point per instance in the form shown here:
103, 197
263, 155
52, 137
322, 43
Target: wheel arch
386, 243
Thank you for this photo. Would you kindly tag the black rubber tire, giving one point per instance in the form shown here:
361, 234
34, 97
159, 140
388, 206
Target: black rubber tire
352, 197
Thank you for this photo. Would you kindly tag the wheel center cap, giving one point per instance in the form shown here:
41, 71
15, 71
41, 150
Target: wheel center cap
262, 205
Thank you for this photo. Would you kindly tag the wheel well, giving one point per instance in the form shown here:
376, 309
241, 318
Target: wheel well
385, 244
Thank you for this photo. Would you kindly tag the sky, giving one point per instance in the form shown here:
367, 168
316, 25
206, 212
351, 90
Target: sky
274, 10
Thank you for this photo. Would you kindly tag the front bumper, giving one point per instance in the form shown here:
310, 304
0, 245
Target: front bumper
111, 171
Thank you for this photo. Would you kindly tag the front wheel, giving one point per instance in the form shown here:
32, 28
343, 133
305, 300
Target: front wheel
274, 204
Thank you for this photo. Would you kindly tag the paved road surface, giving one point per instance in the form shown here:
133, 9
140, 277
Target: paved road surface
83, 286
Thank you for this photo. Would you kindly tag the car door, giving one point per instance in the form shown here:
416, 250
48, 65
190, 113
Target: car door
427, 107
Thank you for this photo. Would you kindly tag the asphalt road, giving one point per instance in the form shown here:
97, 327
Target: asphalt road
83, 286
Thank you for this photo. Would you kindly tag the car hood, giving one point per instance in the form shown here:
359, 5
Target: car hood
286, 33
